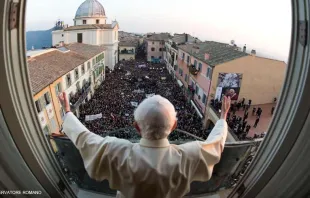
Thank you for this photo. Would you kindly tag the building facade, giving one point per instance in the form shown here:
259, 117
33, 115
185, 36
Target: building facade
171, 50
170, 56
64, 70
90, 27
209, 69
127, 50
155, 46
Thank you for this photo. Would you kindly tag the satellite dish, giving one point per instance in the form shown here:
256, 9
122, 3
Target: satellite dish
232, 42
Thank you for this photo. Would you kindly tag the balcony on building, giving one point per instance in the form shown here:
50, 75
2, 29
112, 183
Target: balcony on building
235, 159
77, 98
193, 70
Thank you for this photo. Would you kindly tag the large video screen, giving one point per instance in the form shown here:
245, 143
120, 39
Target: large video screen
228, 84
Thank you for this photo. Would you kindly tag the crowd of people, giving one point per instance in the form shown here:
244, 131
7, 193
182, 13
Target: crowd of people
125, 87
239, 124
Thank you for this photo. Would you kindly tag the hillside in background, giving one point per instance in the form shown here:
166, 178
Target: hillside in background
39, 39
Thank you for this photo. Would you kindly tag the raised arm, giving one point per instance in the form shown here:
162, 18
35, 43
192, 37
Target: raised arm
97, 152
212, 148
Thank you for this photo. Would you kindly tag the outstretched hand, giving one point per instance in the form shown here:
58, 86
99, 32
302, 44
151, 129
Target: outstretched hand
64, 101
226, 101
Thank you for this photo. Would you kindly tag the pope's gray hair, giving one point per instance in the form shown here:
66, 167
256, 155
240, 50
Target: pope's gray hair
155, 117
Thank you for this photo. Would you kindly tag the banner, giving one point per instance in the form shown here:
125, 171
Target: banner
138, 91
230, 84
134, 104
149, 95
142, 66
50, 111
93, 117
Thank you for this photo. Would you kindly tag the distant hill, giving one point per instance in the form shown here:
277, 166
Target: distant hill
39, 39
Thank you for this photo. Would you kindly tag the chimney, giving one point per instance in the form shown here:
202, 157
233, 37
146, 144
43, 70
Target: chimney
207, 56
61, 43
244, 48
253, 52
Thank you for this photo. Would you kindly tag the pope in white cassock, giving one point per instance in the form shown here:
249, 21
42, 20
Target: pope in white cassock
153, 167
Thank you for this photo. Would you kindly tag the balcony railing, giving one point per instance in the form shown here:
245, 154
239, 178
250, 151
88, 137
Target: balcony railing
126, 52
80, 96
234, 161
193, 70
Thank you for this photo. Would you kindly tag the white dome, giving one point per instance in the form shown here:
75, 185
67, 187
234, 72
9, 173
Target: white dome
90, 8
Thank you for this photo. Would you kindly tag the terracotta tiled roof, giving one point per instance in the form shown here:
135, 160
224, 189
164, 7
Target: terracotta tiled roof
218, 52
84, 49
44, 69
159, 37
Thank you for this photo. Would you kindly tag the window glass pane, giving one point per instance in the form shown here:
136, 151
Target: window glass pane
47, 98
204, 98
38, 106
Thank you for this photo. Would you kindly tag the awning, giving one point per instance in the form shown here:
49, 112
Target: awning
197, 110
180, 83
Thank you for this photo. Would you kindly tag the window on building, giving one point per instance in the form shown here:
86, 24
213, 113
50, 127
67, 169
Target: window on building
160, 49
80, 37
175, 68
152, 49
88, 66
78, 87
84, 22
58, 89
76, 74
159, 57
68, 79
209, 72
53, 124
153, 43
94, 61
197, 90
47, 98
204, 98
83, 69
62, 35
46, 130
152, 57
186, 78
195, 63
97, 21
38, 105
187, 59
199, 66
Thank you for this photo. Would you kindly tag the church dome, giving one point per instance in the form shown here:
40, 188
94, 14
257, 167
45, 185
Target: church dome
90, 8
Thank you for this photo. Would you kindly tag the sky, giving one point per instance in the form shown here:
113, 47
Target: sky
263, 25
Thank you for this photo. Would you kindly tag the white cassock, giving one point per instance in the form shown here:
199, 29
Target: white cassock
151, 168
